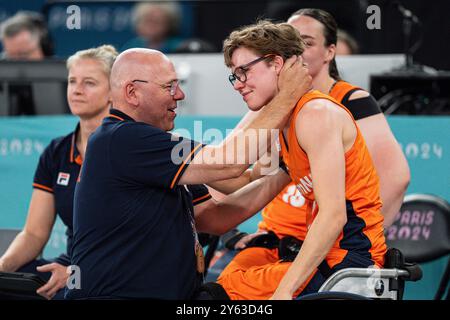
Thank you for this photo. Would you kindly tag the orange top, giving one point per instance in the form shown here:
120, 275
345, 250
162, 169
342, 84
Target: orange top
363, 232
340, 89
285, 214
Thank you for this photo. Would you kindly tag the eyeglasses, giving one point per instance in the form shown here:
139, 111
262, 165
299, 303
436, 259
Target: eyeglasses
172, 86
240, 72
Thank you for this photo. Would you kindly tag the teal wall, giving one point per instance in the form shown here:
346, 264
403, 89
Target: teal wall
425, 141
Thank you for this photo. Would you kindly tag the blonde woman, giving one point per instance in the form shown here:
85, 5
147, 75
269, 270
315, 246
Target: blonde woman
88, 95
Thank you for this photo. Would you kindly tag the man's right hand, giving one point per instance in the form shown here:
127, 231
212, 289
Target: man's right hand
294, 80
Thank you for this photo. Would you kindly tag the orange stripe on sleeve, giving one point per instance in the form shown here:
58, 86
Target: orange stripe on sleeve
199, 199
42, 187
188, 158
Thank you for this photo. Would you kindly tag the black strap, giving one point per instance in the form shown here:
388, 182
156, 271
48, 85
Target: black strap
348, 94
232, 237
362, 107
288, 248
267, 240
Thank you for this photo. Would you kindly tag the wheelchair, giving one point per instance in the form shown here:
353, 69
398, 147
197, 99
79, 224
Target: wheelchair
421, 232
387, 283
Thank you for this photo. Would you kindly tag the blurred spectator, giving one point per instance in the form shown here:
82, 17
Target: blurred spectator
25, 37
195, 45
346, 44
156, 24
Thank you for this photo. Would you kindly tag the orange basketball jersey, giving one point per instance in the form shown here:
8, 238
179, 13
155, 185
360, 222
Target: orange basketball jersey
363, 231
286, 213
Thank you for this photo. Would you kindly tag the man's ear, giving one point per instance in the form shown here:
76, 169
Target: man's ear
331, 52
130, 94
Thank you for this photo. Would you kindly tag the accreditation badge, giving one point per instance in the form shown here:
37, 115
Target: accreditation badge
200, 258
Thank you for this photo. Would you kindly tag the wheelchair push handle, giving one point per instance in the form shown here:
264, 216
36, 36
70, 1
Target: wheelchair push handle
414, 271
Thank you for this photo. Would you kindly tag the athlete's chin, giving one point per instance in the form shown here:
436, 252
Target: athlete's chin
254, 106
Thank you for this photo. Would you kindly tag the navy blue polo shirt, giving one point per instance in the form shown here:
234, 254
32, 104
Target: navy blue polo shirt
133, 225
57, 173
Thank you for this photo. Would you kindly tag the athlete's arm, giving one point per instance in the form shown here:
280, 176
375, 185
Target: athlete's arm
228, 186
388, 159
243, 147
325, 149
231, 185
218, 217
265, 166
259, 169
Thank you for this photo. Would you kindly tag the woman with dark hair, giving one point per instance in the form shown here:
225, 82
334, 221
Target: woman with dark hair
320, 41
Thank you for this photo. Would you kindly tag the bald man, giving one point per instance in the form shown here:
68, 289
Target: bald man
134, 227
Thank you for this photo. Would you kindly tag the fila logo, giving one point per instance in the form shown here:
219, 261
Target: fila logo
63, 179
